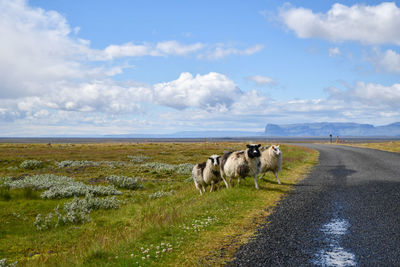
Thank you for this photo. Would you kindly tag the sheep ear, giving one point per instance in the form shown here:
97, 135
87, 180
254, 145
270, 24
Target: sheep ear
248, 146
259, 145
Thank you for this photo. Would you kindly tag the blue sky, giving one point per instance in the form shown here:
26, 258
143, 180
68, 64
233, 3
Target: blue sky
114, 67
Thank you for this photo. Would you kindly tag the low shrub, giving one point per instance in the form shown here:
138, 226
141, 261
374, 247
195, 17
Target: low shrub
76, 163
88, 163
184, 168
59, 186
31, 164
124, 182
76, 211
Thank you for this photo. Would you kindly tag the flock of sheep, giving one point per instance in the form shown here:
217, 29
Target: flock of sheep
237, 164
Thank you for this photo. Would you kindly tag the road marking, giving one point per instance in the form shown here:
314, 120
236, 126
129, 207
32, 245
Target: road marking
334, 254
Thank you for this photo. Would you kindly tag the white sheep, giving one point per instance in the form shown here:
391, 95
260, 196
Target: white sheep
207, 173
240, 164
271, 160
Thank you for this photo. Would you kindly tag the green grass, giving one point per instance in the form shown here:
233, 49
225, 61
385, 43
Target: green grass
194, 229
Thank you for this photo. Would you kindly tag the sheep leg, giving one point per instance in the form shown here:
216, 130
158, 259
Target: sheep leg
261, 176
276, 175
204, 189
224, 179
212, 186
198, 187
255, 181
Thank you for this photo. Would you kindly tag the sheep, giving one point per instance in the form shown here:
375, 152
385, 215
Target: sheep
271, 160
207, 173
240, 164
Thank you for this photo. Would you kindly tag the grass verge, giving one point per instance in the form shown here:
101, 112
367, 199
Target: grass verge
391, 146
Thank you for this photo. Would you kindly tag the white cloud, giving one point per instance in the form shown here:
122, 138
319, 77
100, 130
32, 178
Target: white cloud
223, 50
368, 97
175, 48
41, 50
212, 90
251, 102
160, 49
388, 61
252, 50
36, 50
334, 51
99, 96
260, 80
211, 101
125, 50
377, 94
40, 53
366, 24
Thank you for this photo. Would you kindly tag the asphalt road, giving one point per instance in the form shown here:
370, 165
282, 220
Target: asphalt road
345, 213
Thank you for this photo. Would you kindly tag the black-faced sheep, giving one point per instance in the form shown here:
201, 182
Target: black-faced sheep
240, 164
207, 173
271, 160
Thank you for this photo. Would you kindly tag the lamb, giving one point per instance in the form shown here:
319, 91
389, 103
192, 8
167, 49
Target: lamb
271, 160
240, 164
207, 173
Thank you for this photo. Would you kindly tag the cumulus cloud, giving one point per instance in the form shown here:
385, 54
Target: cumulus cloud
36, 50
218, 104
212, 90
99, 96
260, 80
367, 24
41, 50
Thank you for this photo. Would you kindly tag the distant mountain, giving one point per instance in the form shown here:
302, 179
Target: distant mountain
334, 128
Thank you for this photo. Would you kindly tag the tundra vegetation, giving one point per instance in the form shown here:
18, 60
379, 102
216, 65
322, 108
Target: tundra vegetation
129, 204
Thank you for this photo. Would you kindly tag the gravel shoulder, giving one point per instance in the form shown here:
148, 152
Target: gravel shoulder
345, 213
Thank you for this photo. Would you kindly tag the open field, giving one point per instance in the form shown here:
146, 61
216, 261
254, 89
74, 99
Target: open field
159, 219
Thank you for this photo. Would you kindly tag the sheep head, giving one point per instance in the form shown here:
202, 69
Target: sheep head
253, 150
